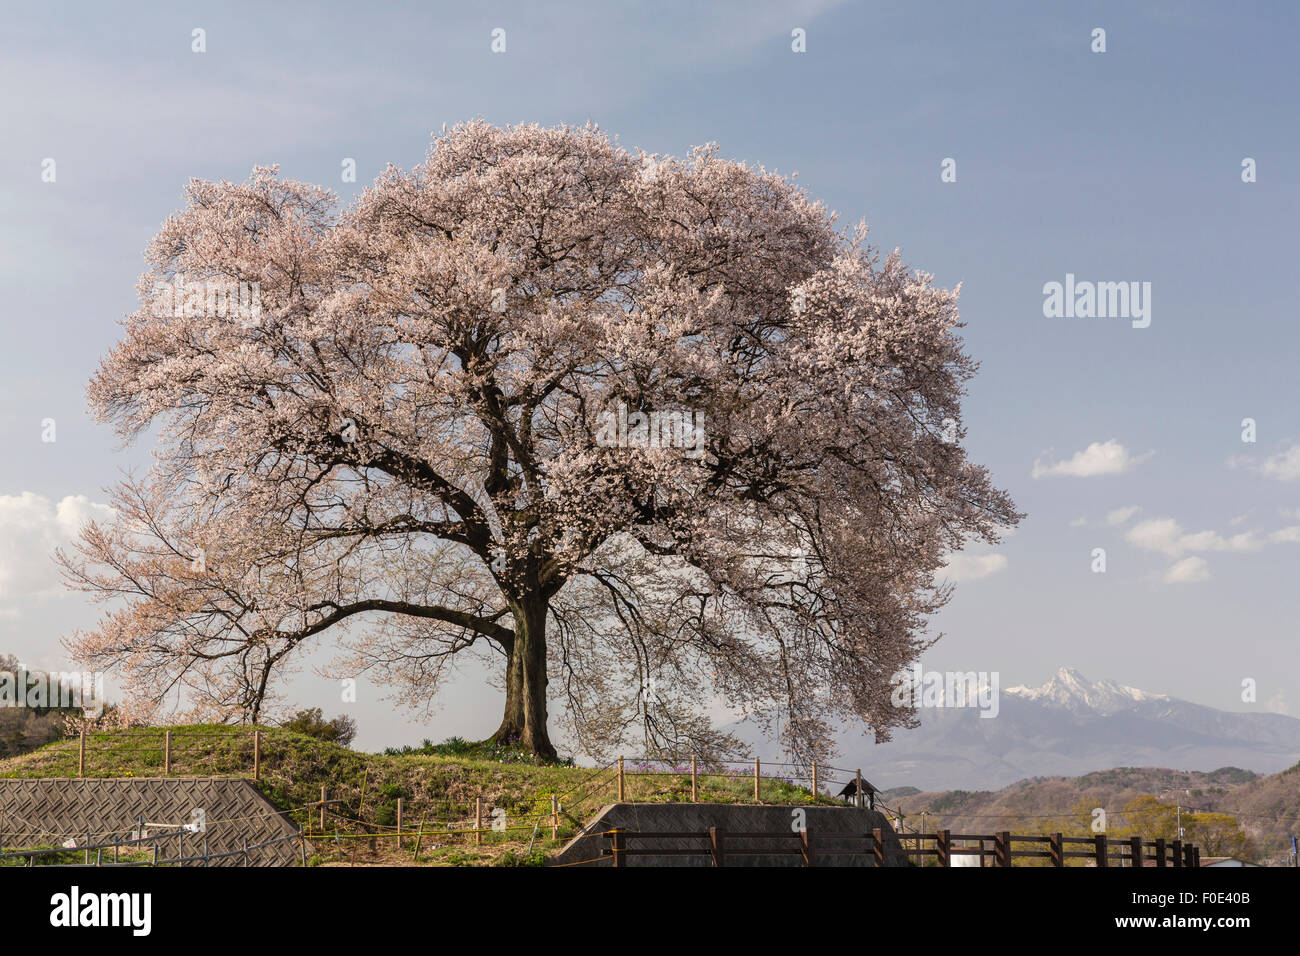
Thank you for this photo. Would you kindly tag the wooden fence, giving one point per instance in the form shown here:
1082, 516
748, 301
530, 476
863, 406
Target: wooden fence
247, 751
240, 752
998, 848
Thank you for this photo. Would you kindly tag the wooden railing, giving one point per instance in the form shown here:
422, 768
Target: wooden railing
998, 848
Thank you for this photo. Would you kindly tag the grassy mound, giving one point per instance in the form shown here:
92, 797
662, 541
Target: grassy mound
437, 783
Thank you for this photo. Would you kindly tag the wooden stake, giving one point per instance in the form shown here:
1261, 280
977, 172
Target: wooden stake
555, 817
695, 793
419, 837
322, 810
814, 780
756, 780
620, 780
857, 787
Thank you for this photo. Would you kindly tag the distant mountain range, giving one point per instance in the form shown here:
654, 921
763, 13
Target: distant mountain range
1067, 727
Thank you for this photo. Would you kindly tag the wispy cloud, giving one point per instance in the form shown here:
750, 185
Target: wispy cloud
1283, 465
1167, 536
972, 567
1120, 516
1187, 571
1099, 458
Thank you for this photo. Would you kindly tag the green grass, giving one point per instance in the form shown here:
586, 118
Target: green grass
67, 857
438, 784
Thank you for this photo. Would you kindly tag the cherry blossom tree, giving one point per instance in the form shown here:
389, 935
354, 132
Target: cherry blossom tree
649, 435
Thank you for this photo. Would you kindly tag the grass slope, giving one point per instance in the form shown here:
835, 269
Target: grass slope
438, 789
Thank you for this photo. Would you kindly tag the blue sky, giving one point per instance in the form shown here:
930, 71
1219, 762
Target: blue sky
1122, 166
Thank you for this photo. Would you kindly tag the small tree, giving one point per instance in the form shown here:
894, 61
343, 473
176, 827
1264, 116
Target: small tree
342, 730
649, 428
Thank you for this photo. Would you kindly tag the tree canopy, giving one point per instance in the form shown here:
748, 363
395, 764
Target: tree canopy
399, 439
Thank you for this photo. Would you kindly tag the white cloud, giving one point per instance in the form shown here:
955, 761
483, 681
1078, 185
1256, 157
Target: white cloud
1281, 466
1099, 458
1120, 515
1187, 571
31, 527
1166, 536
972, 567
1284, 466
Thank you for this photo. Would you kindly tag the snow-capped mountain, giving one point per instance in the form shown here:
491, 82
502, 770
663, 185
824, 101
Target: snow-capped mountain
1070, 690
1068, 726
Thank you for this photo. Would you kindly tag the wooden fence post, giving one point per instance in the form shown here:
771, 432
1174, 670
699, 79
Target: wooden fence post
257, 755
756, 771
419, 836
1057, 850
1178, 852
620, 780
805, 847
618, 847
857, 787
1102, 850
878, 846
399, 824
322, 810
943, 846
167, 754
81, 756
1160, 852
715, 845
1135, 851
478, 821
695, 793
1002, 848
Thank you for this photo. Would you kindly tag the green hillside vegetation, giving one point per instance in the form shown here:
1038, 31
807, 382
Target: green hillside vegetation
438, 785
1226, 812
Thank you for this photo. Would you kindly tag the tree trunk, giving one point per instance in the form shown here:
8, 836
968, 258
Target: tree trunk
511, 730
524, 723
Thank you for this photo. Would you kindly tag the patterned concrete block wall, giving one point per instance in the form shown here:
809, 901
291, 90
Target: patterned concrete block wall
47, 812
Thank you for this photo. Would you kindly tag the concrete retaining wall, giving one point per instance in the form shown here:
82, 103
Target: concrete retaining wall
827, 828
